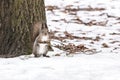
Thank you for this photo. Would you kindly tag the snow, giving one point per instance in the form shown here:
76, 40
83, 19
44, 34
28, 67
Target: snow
86, 67
104, 65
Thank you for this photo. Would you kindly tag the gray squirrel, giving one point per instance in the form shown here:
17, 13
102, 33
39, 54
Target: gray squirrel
41, 39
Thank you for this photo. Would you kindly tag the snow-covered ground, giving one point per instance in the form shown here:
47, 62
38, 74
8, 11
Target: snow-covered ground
80, 67
96, 23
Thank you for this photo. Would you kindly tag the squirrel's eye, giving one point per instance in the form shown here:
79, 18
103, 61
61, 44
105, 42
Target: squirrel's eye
38, 44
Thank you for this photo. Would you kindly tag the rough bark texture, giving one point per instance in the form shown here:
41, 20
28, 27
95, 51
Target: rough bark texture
16, 20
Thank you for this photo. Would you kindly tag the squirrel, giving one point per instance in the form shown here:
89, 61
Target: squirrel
41, 39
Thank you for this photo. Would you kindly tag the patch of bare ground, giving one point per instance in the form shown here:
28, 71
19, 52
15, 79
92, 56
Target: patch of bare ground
71, 48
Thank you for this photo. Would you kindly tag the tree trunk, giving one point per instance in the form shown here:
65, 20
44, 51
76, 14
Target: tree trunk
16, 20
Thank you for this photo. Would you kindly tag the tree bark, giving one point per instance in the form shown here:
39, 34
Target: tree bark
16, 20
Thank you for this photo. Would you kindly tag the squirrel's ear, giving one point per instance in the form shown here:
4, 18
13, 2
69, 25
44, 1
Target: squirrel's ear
45, 25
42, 26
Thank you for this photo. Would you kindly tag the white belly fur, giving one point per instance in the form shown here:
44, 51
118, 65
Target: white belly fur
42, 48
